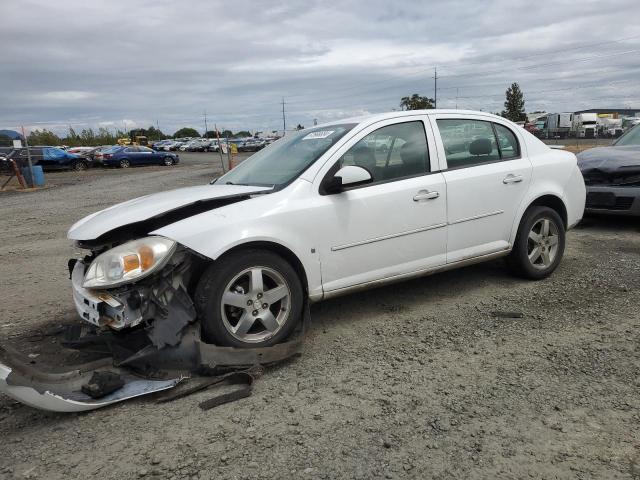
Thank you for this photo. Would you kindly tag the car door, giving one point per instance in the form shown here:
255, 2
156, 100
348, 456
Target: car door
393, 226
132, 154
487, 175
147, 155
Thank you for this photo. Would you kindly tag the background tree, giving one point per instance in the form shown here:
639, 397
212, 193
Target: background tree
154, 133
300, 127
242, 134
5, 141
226, 134
416, 102
211, 134
43, 137
514, 104
186, 132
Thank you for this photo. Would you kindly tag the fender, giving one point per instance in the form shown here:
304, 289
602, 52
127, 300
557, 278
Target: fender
213, 233
555, 173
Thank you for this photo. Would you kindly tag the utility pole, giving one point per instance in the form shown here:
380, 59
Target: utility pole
456, 98
205, 123
435, 87
30, 181
284, 120
215, 126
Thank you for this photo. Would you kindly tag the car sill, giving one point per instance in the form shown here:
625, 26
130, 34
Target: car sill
418, 273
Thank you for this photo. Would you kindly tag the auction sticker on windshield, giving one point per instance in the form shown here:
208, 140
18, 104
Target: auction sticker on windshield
318, 134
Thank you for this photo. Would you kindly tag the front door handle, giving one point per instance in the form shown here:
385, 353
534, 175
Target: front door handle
425, 195
511, 178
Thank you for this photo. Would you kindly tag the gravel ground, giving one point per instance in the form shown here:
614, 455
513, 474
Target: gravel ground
416, 380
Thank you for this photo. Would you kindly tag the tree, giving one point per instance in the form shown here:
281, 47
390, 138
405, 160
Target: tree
300, 127
242, 134
226, 134
5, 140
154, 133
186, 132
211, 134
416, 102
43, 137
514, 104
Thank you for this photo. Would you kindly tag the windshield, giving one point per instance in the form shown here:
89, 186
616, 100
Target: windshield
632, 137
282, 161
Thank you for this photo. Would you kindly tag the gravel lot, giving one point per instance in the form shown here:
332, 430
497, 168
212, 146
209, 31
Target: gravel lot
416, 380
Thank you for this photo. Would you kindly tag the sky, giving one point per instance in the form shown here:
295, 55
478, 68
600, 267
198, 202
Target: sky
135, 63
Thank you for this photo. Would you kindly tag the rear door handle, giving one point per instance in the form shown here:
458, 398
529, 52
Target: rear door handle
425, 195
511, 178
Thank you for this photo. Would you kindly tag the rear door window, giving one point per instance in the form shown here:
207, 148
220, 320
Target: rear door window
469, 142
507, 142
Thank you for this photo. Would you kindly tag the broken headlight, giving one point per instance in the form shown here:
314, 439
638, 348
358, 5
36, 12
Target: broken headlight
128, 262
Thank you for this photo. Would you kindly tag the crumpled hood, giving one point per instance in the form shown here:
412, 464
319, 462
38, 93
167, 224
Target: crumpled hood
608, 159
155, 205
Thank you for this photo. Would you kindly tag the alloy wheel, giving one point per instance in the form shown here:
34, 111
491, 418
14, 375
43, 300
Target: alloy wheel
255, 304
542, 244
124, 163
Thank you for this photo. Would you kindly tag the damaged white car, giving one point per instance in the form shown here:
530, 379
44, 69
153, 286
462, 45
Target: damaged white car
322, 212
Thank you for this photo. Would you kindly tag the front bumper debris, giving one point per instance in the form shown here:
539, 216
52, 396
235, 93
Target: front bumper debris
149, 369
62, 391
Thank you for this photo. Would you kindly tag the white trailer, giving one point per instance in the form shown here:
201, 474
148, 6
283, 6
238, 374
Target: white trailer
584, 125
558, 125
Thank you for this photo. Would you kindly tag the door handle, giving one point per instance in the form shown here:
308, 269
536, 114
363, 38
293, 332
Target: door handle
511, 178
425, 195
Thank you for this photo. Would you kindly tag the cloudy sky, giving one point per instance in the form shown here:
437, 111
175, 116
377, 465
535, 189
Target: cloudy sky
132, 62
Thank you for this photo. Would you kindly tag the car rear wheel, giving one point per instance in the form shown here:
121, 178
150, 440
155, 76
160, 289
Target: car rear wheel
124, 163
80, 165
539, 244
167, 161
250, 298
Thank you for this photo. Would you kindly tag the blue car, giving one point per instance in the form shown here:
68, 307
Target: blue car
49, 158
127, 156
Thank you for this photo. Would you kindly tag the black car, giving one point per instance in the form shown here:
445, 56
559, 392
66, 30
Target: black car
612, 176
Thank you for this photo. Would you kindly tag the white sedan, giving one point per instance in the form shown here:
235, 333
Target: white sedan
325, 211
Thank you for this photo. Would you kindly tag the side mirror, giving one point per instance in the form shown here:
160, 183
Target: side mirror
348, 176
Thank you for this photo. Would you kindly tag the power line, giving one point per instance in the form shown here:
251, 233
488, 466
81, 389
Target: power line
466, 63
476, 74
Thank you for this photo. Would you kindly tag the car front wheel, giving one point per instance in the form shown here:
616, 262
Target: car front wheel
539, 244
250, 298
167, 161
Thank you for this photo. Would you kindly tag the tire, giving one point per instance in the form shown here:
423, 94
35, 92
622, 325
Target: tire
80, 165
242, 325
167, 161
124, 163
537, 254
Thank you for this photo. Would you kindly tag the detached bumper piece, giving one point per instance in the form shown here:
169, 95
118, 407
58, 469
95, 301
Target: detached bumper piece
136, 367
85, 387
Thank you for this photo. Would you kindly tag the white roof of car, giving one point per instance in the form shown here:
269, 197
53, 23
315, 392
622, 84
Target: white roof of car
375, 117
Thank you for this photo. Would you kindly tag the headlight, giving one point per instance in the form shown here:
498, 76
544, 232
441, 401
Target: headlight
128, 262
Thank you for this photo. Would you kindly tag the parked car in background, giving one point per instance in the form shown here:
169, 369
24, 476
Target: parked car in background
127, 156
321, 213
612, 176
49, 158
158, 145
173, 146
252, 145
96, 154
